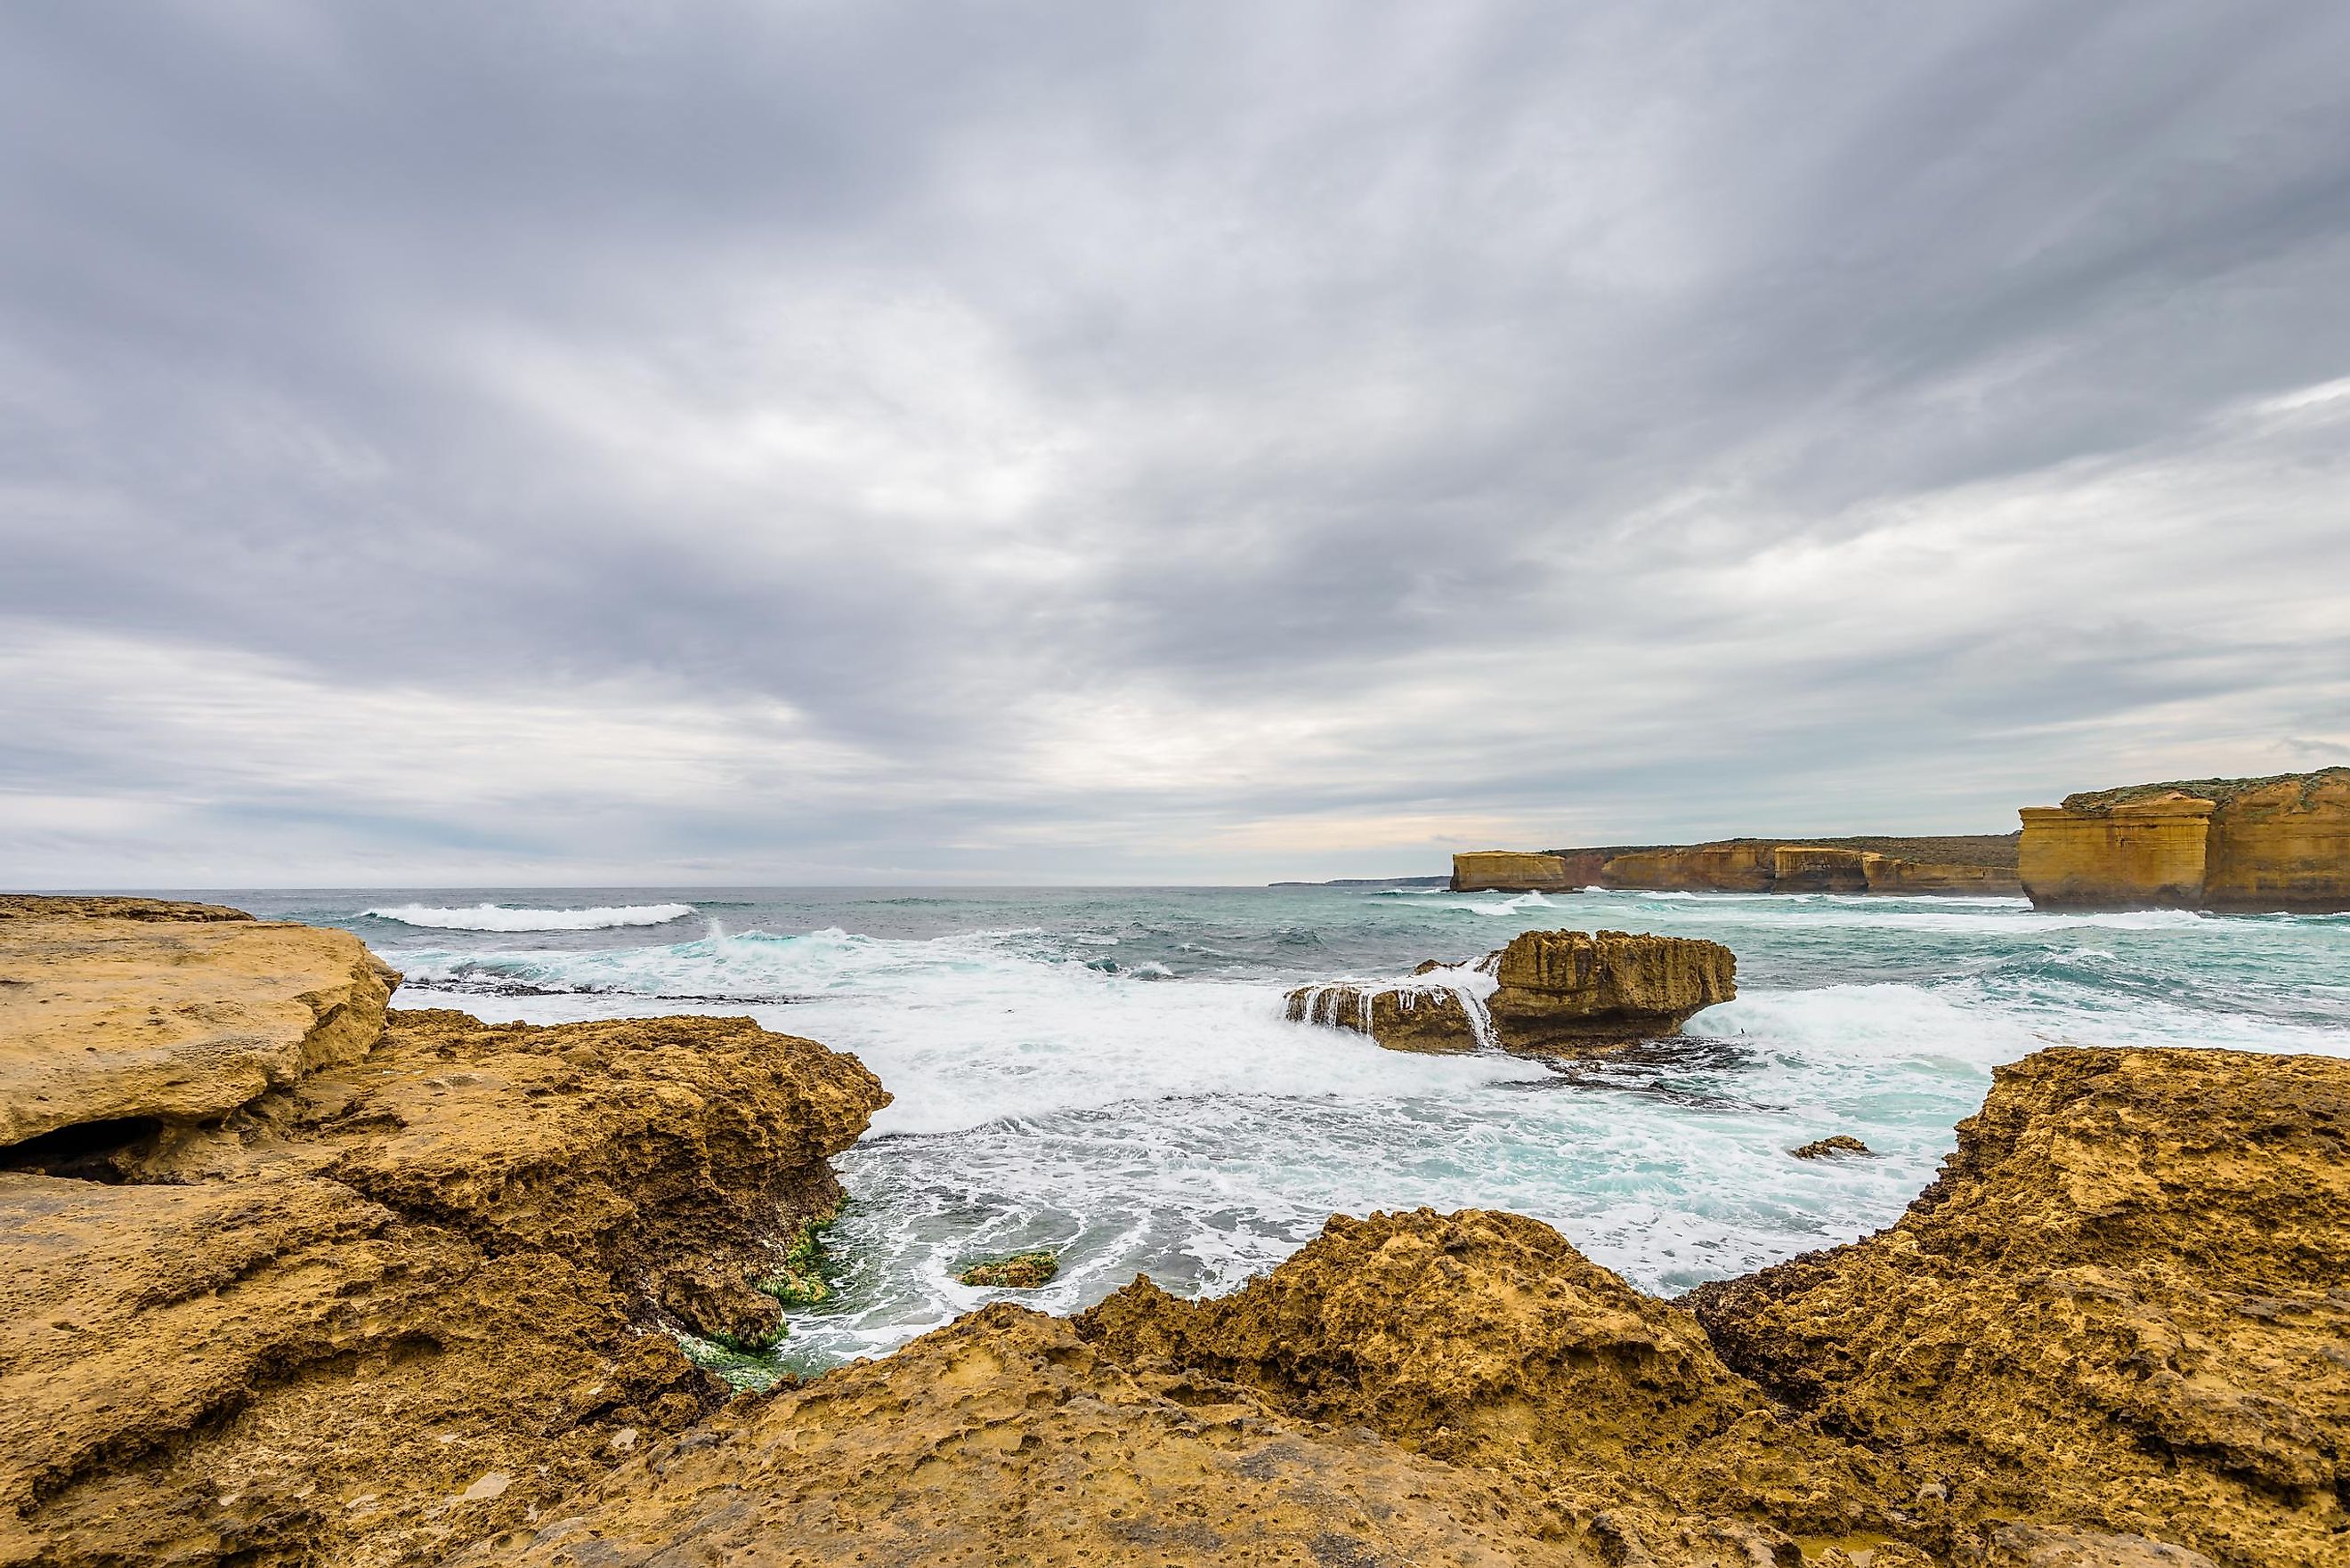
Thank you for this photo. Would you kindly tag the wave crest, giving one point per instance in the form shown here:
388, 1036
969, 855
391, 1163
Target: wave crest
499, 917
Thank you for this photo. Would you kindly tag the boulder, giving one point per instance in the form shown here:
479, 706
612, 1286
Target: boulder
2123, 1308
146, 1025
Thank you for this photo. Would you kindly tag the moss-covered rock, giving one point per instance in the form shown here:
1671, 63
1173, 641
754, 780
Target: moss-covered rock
1020, 1271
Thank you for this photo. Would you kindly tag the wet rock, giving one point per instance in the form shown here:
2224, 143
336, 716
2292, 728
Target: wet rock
1837, 1146
1546, 994
2057, 1326
1020, 1271
133, 1027
1440, 1016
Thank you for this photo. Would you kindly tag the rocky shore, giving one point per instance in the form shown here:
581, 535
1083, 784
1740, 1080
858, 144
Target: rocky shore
420, 1295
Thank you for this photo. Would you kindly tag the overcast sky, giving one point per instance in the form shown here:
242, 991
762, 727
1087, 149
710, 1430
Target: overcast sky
731, 443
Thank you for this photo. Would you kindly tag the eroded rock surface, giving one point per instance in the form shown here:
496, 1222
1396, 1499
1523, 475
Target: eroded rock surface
168, 1021
1005, 1439
1547, 992
2124, 1307
1559, 989
402, 1302
1487, 1340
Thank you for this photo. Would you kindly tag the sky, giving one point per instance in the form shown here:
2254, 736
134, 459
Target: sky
572, 442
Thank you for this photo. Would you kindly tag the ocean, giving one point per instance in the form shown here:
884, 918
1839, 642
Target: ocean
1106, 1072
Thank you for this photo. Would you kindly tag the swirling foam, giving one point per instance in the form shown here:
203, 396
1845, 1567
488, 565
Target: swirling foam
500, 918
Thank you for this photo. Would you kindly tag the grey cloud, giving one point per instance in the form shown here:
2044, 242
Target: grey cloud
1221, 371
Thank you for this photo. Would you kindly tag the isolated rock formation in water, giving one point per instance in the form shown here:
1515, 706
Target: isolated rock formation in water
394, 1303
1546, 992
2124, 1305
2267, 843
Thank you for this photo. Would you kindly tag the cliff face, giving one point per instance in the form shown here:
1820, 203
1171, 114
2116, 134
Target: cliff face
2280, 843
2144, 854
391, 1303
1978, 865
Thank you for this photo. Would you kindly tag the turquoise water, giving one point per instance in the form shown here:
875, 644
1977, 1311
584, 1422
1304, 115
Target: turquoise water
1106, 1072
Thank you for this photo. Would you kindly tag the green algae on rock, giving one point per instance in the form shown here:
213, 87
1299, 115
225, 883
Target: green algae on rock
1019, 1272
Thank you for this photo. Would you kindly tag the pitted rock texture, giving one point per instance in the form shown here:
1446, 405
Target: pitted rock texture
2123, 1308
1006, 1439
1487, 1340
172, 1022
403, 1302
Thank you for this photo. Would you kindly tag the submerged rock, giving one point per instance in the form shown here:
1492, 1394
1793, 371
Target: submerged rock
1547, 992
1835, 1146
1020, 1271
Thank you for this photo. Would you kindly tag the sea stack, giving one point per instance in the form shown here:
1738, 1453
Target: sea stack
1546, 994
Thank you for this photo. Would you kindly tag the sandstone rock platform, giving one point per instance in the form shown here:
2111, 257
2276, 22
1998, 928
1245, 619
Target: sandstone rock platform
113, 1018
385, 1308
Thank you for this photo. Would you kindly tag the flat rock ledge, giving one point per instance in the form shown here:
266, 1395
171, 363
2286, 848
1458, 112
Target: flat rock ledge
108, 1018
1546, 994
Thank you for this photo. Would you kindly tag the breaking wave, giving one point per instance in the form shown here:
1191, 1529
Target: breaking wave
500, 918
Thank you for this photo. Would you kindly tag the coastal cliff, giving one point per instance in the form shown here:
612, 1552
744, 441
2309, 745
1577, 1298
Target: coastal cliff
1978, 865
430, 1301
2280, 843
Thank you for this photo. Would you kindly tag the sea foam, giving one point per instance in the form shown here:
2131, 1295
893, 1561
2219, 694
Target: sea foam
499, 917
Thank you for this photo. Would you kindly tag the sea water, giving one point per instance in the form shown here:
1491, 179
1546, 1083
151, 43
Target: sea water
1106, 1074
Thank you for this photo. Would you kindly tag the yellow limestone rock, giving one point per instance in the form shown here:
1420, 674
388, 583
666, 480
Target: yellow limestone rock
2124, 1307
106, 1019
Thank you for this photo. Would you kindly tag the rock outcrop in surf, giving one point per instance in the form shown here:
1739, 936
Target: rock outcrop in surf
1546, 994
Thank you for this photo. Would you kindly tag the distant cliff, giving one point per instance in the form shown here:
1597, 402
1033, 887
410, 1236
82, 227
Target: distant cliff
2280, 843
1960, 863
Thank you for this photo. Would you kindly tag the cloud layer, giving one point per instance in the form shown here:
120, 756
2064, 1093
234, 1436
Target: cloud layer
1065, 442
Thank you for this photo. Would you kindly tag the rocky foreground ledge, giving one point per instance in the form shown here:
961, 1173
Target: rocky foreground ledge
406, 1309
